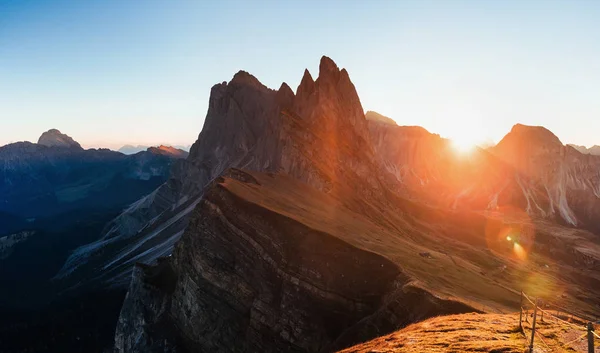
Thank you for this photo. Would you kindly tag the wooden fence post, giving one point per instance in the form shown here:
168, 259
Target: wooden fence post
533, 326
521, 312
590, 336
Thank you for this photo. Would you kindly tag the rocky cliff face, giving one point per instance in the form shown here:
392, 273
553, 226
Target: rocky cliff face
529, 169
253, 274
253, 127
570, 179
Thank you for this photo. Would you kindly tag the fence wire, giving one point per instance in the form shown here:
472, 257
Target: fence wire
578, 327
538, 334
575, 340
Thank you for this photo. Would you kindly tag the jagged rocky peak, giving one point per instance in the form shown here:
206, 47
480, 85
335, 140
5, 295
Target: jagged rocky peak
285, 96
374, 116
244, 78
55, 138
307, 84
331, 101
328, 68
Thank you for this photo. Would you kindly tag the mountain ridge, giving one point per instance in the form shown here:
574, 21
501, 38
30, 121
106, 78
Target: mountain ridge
284, 165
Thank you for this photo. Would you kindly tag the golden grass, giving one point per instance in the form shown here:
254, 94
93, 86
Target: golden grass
474, 333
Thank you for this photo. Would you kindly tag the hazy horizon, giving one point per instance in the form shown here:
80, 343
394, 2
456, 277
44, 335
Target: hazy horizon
110, 73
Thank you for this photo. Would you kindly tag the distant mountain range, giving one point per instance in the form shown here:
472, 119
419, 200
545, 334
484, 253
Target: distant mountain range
595, 150
130, 149
54, 197
57, 175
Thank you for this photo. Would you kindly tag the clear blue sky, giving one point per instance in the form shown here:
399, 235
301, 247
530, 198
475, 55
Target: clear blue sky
111, 72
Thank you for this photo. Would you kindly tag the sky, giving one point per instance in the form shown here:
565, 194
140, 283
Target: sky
110, 72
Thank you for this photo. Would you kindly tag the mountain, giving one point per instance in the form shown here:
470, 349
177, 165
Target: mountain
129, 149
265, 142
54, 197
168, 151
54, 138
39, 180
594, 150
296, 224
183, 147
529, 169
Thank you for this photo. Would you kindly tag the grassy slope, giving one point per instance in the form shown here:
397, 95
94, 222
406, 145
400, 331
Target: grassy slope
468, 251
476, 333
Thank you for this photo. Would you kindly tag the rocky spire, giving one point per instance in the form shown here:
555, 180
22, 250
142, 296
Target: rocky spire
285, 96
328, 69
54, 138
307, 85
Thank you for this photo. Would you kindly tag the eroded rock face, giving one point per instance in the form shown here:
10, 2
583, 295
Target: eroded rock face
249, 279
318, 136
530, 169
258, 270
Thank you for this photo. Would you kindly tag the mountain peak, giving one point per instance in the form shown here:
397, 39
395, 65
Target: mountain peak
328, 67
245, 78
285, 96
536, 134
307, 84
55, 138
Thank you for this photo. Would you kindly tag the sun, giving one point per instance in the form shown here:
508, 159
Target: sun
466, 132
464, 144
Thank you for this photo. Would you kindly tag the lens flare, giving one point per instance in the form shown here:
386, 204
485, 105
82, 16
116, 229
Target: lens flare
519, 252
510, 232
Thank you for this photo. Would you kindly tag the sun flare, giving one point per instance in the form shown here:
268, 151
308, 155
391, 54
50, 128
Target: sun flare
463, 145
